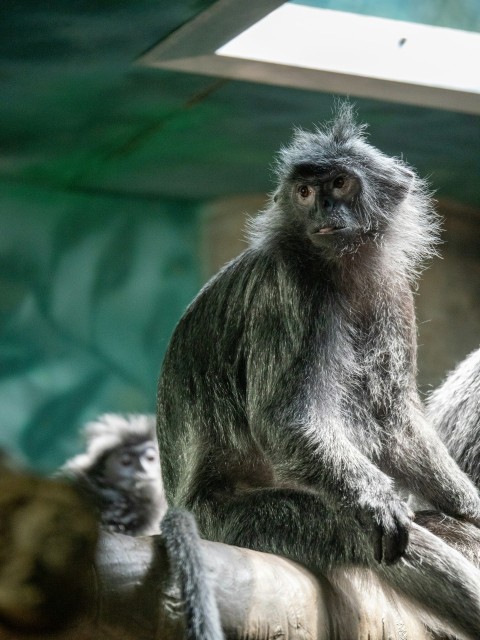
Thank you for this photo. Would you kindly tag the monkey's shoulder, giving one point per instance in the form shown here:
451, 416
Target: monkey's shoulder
253, 295
236, 285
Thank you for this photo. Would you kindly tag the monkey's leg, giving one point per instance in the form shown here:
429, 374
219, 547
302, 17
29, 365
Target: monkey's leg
462, 536
291, 523
299, 526
440, 578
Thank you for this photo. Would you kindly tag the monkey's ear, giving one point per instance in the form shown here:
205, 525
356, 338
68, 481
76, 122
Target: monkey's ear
275, 196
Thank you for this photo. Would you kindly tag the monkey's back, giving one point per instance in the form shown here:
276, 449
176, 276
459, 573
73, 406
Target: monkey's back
198, 394
203, 412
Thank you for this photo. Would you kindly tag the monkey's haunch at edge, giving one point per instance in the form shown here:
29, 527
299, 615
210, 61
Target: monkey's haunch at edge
288, 415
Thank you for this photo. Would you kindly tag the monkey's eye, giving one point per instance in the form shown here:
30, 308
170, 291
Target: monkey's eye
339, 182
306, 194
305, 191
150, 454
126, 460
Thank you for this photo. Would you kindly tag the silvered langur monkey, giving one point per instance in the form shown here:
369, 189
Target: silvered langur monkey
288, 415
454, 409
120, 473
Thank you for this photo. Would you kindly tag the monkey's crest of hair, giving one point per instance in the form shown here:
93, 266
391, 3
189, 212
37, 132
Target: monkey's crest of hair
343, 127
111, 430
394, 206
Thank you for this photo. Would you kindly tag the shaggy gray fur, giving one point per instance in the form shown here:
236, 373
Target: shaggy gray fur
288, 414
120, 473
454, 409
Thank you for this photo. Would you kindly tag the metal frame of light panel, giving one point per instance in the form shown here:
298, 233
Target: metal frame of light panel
272, 42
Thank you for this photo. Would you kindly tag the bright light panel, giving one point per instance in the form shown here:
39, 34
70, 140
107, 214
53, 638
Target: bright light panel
347, 43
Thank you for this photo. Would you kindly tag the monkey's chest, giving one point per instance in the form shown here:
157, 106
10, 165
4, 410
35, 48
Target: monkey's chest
365, 394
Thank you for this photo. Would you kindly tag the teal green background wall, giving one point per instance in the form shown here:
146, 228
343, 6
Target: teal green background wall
91, 289
456, 14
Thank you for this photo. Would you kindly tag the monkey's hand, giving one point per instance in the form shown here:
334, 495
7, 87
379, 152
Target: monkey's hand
388, 520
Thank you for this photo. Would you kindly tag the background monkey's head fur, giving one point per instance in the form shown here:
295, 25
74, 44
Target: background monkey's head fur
110, 432
339, 193
120, 472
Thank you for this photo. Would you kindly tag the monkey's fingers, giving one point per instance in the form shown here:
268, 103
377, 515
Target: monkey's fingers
388, 526
378, 544
376, 532
397, 532
394, 544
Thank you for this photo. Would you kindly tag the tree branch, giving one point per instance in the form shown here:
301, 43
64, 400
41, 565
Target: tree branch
54, 586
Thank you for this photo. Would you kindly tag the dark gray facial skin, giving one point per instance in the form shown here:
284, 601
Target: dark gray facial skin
288, 414
325, 201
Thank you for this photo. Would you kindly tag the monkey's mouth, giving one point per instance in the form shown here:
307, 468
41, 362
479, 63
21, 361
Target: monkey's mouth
326, 231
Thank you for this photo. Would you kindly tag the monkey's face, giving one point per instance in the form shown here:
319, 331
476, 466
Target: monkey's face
338, 190
132, 465
325, 202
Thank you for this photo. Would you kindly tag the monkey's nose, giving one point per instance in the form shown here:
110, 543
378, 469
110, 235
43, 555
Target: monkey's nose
328, 204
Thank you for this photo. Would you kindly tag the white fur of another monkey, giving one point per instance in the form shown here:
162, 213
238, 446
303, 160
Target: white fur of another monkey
454, 409
120, 472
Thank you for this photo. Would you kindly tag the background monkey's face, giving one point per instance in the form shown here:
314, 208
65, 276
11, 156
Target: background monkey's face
131, 465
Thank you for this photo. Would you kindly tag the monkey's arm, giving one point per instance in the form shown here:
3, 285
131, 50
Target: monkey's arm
315, 452
293, 403
412, 452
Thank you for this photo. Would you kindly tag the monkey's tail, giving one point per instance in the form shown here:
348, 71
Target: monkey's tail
442, 581
183, 544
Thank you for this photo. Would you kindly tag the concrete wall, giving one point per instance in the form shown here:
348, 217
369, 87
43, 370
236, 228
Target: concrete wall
448, 301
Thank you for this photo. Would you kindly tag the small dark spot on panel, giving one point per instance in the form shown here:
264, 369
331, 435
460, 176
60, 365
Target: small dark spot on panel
401, 42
